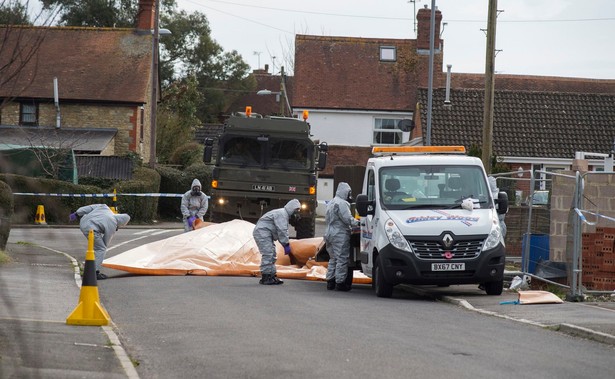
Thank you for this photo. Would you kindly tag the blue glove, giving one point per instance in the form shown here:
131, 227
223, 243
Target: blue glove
286, 249
191, 221
73, 217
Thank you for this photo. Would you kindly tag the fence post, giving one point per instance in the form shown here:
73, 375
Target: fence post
575, 293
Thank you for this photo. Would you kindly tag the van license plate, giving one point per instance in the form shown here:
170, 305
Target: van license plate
448, 266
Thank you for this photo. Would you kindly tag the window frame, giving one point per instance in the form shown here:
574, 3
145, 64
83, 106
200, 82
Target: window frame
22, 113
388, 49
380, 130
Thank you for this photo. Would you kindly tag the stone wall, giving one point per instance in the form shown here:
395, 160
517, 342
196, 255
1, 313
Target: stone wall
132, 133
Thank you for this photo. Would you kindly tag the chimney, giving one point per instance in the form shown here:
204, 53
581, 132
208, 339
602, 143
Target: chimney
145, 15
423, 18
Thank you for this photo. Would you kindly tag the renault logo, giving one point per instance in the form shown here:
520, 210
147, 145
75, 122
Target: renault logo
447, 240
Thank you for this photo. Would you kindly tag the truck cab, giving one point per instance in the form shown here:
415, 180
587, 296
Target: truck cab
262, 163
428, 218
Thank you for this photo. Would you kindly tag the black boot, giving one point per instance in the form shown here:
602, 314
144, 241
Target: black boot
277, 280
342, 287
331, 284
100, 276
269, 279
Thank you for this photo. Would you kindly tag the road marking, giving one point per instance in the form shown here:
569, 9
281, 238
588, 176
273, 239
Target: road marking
145, 231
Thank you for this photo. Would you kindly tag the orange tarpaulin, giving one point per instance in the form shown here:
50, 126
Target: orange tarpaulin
222, 249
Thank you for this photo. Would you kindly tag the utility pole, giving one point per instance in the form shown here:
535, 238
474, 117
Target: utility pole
489, 86
432, 38
154, 94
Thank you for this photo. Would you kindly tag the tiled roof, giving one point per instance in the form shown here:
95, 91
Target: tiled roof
347, 73
91, 140
91, 64
526, 124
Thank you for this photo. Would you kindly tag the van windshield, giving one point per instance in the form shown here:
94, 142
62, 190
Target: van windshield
442, 187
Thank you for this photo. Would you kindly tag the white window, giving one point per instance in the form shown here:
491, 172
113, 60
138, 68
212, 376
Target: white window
388, 53
386, 131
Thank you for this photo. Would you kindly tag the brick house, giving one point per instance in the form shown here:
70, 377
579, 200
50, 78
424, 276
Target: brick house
103, 85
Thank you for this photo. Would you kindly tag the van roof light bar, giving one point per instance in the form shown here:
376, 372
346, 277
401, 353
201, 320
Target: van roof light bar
406, 150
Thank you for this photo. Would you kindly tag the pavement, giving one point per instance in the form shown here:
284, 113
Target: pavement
39, 288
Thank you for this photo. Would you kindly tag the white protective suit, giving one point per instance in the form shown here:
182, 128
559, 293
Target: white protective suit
339, 221
194, 203
104, 223
494, 192
273, 226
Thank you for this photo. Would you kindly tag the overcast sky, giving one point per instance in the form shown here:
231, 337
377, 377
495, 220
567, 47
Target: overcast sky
571, 38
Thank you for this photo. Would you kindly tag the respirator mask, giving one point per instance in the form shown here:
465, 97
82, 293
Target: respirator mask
294, 218
196, 191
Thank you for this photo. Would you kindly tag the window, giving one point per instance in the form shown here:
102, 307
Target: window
386, 132
388, 53
28, 114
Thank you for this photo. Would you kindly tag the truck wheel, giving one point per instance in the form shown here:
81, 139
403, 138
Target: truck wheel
381, 286
494, 288
306, 228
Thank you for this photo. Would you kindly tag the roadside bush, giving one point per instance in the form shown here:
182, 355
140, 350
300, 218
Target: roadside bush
140, 208
6, 212
187, 154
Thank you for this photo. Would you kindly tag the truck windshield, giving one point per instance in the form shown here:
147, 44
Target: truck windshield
443, 187
241, 151
279, 153
288, 154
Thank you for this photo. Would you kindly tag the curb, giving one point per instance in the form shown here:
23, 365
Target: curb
570, 329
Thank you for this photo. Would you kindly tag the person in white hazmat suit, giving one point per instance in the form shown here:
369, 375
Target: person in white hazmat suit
100, 219
339, 223
194, 205
273, 226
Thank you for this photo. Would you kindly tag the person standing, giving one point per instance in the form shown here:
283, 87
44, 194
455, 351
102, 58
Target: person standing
339, 223
194, 205
273, 226
104, 223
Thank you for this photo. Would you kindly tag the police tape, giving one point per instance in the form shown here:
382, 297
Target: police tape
101, 195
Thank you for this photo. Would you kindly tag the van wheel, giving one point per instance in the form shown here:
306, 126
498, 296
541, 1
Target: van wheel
381, 286
494, 288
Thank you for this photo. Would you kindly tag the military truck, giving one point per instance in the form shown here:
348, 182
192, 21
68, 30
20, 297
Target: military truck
261, 164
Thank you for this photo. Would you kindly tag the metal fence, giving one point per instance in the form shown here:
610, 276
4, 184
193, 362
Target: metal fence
569, 241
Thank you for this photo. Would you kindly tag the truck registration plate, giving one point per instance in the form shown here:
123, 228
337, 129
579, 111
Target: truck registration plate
260, 187
448, 266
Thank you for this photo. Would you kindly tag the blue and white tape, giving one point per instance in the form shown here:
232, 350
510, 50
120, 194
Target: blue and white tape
101, 194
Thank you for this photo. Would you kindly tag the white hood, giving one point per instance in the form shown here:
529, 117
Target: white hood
429, 222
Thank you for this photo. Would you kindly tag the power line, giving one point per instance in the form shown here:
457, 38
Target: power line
199, 3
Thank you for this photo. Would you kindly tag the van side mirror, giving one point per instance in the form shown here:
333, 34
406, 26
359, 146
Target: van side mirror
364, 206
209, 148
502, 203
323, 150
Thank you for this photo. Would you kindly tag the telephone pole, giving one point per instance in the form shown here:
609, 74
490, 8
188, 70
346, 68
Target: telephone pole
489, 86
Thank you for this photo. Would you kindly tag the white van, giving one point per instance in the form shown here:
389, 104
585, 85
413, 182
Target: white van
428, 217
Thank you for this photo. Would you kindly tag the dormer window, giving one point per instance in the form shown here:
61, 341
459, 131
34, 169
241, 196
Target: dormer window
388, 53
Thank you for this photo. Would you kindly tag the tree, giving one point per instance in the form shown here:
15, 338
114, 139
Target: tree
99, 13
190, 51
177, 117
13, 13
18, 46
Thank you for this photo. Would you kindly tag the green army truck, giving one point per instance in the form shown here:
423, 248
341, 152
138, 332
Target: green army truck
261, 164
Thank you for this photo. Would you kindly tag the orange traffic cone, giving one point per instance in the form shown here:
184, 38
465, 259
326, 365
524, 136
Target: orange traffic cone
89, 311
40, 216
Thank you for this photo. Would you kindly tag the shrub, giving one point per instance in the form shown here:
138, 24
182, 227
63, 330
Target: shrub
6, 212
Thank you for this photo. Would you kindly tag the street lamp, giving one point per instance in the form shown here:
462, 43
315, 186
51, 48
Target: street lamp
282, 92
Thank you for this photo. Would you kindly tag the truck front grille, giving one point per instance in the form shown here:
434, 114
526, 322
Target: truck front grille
432, 250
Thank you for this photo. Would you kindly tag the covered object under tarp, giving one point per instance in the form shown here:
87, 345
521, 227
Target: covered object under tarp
222, 249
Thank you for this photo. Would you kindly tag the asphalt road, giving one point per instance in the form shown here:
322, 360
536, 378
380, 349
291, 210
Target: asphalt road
221, 327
